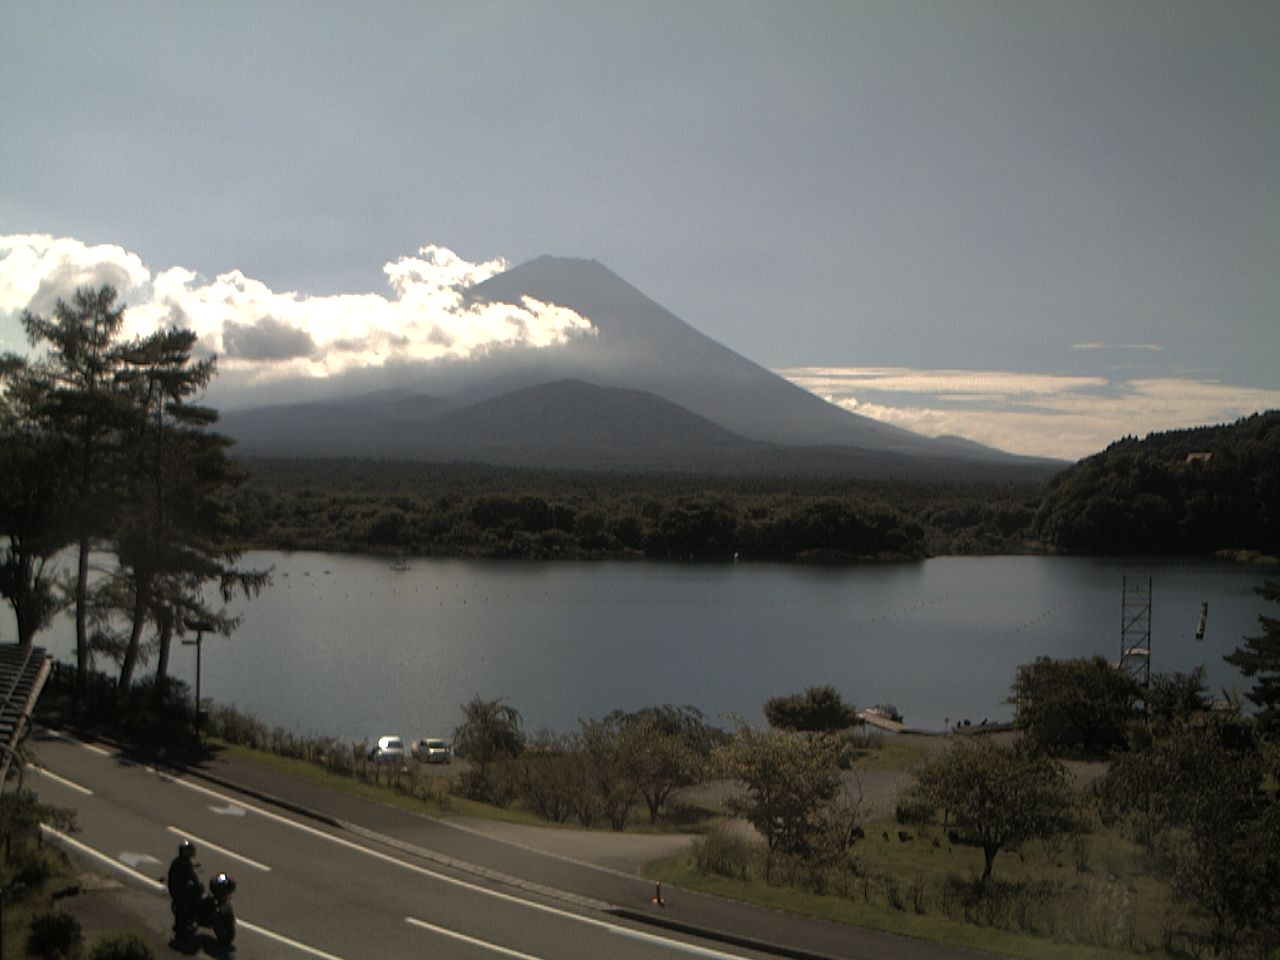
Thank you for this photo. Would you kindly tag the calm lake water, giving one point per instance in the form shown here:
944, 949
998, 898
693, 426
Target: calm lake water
347, 646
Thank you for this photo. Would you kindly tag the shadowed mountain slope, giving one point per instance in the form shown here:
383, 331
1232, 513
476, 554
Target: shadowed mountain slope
643, 346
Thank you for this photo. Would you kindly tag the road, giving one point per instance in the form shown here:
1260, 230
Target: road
318, 886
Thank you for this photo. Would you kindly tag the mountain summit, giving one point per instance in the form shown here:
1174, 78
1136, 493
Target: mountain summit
643, 391
643, 346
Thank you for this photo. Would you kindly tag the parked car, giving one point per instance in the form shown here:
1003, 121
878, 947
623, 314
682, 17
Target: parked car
388, 750
433, 750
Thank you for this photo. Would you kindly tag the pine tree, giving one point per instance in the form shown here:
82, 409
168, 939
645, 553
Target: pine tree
1260, 658
81, 412
32, 503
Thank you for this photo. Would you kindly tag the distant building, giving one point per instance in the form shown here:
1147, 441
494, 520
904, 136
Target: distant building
1201, 456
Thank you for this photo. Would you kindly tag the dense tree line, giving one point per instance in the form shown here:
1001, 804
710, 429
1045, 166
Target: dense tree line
1187, 492
105, 450
469, 510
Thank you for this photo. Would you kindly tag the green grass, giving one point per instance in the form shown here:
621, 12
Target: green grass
431, 798
1090, 900
680, 871
893, 753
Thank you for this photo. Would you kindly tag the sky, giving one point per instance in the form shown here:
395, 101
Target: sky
1039, 224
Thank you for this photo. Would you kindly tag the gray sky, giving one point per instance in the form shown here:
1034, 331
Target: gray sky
1039, 224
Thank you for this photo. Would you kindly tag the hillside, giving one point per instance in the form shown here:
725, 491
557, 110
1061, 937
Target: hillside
1182, 492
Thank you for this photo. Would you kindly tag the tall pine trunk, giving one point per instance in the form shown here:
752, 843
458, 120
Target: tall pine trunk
82, 616
166, 640
141, 600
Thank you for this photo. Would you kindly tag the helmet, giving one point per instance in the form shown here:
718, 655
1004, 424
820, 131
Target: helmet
187, 849
223, 884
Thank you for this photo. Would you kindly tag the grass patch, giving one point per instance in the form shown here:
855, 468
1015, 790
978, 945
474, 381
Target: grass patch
893, 753
680, 871
1089, 895
427, 796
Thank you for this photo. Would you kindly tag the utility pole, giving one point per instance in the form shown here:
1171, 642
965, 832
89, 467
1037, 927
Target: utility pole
199, 626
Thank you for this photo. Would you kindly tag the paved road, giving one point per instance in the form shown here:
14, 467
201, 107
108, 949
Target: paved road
322, 873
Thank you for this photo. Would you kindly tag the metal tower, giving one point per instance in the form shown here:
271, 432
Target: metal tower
1135, 630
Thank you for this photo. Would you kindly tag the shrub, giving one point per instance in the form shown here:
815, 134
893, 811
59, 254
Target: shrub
724, 852
121, 946
818, 709
53, 934
913, 811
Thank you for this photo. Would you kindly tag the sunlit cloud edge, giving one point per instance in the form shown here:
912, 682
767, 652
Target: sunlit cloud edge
1048, 415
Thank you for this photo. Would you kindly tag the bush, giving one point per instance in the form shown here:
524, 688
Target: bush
121, 946
724, 852
913, 811
818, 709
53, 934
1081, 707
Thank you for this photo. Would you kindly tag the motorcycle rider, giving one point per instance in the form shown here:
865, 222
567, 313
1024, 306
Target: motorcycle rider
184, 889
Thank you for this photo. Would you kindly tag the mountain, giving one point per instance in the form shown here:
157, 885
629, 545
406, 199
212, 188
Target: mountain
643, 346
645, 391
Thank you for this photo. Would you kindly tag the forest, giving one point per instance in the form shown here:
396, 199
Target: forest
1187, 493
479, 511
1184, 492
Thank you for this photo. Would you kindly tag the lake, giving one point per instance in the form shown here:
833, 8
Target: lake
347, 646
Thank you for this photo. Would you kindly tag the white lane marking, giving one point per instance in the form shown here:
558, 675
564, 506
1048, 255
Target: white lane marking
483, 944
94, 748
158, 887
667, 942
69, 784
230, 810
137, 860
112, 862
201, 842
678, 945
287, 941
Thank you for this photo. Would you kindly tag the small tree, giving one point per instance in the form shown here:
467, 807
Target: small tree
609, 776
1066, 706
997, 797
665, 749
490, 731
789, 779
818, 709
1260, 658
1177, 697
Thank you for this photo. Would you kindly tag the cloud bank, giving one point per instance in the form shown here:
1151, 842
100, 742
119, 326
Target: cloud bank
261, 335
1034, 414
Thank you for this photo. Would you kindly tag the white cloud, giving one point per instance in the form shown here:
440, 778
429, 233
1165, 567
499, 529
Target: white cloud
37, 269
1034, 414
264, 335
1097, 345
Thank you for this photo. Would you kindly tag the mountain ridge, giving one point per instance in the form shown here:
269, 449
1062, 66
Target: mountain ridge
643, 391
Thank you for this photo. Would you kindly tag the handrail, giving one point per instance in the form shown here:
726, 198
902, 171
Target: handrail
16, 716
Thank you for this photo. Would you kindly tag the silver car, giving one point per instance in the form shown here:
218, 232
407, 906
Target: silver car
388, 750
432, 750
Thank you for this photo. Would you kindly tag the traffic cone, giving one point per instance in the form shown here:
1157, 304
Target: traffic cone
657, 896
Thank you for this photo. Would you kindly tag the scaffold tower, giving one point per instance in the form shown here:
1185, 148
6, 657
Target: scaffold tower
1135, 629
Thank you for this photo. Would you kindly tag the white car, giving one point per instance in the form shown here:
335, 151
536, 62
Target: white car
388, 750
432, 750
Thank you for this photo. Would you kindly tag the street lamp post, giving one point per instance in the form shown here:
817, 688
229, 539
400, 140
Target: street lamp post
199, 626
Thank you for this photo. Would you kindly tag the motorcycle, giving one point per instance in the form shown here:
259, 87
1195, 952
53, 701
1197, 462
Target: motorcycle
215, 911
